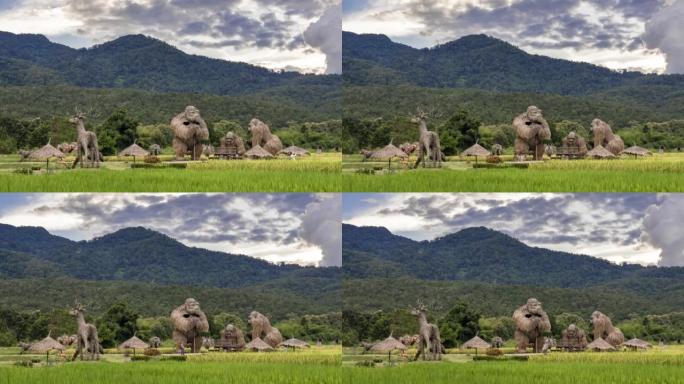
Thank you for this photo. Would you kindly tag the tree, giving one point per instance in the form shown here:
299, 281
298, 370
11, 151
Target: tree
459, 132
118, 324
460, 324
117, 132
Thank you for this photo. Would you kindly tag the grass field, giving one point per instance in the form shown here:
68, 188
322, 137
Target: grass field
658, 365
315, 173
315, 365
658, 173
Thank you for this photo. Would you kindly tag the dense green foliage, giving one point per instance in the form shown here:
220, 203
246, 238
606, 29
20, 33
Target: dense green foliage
483, 62
493, 274
136, 61
138, 254
460, 324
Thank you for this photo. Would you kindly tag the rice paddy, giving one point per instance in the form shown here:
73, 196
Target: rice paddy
315, 173
657, 173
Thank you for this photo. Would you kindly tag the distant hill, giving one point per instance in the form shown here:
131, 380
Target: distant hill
491, 263
138, 254
481, 62
139, 62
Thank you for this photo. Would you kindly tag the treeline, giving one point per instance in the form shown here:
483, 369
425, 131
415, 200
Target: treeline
122, 128
462, 128
277, 299
462, 322
120, 321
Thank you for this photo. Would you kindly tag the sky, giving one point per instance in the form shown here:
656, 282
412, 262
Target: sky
283, 227
636, 228
642, 35
301, 35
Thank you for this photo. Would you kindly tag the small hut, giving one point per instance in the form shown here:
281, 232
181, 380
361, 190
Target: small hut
45, 346
294, 150
257, 152
599, 152
476, 343
134, 343
388, 345
476, 150
389, 152
294, 343
258, 345
600, 345
636, 151
635, 344
134, 150
46, 153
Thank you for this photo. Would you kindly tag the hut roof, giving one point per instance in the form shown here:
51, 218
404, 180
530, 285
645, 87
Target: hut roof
476, 150
476, 343
636, 151
387, 345
134, 343
258, 345
294, 343
46, 152
46, 345
294, 150
134, 150
388, 152
257, 152
600, 152
637, 343
600, 345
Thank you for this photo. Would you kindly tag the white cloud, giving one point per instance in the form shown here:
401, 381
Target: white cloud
662, 228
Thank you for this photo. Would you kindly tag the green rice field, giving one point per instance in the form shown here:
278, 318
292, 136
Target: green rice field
315, 173
657, 173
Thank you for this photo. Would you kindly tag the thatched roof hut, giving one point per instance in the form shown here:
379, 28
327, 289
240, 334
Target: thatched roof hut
134, 343
257, 152
46, 152
600, 345
599, 152
476, 150
635, 151
258, 345
134, 150
388, 153
46, 345
388, 345
636, 344
476, 343
294, 150
294, 343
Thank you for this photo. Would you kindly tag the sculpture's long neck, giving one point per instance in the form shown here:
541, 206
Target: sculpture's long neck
423, 127
80, 320
80, 128
422, 319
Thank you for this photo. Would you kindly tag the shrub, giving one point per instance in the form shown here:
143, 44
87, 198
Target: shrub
174, 358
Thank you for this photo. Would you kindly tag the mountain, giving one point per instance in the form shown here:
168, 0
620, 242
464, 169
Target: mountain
139, 62
141, 255
495, 273
482, 255
483, 62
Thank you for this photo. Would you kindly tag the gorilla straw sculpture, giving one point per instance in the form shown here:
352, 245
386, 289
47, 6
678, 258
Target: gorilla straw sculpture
189, 130
189, 322
575, 144
233, 143
261, 327
531, 323
604, 136
531, 130
232, 338
573, 339
261, 135
604, 328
